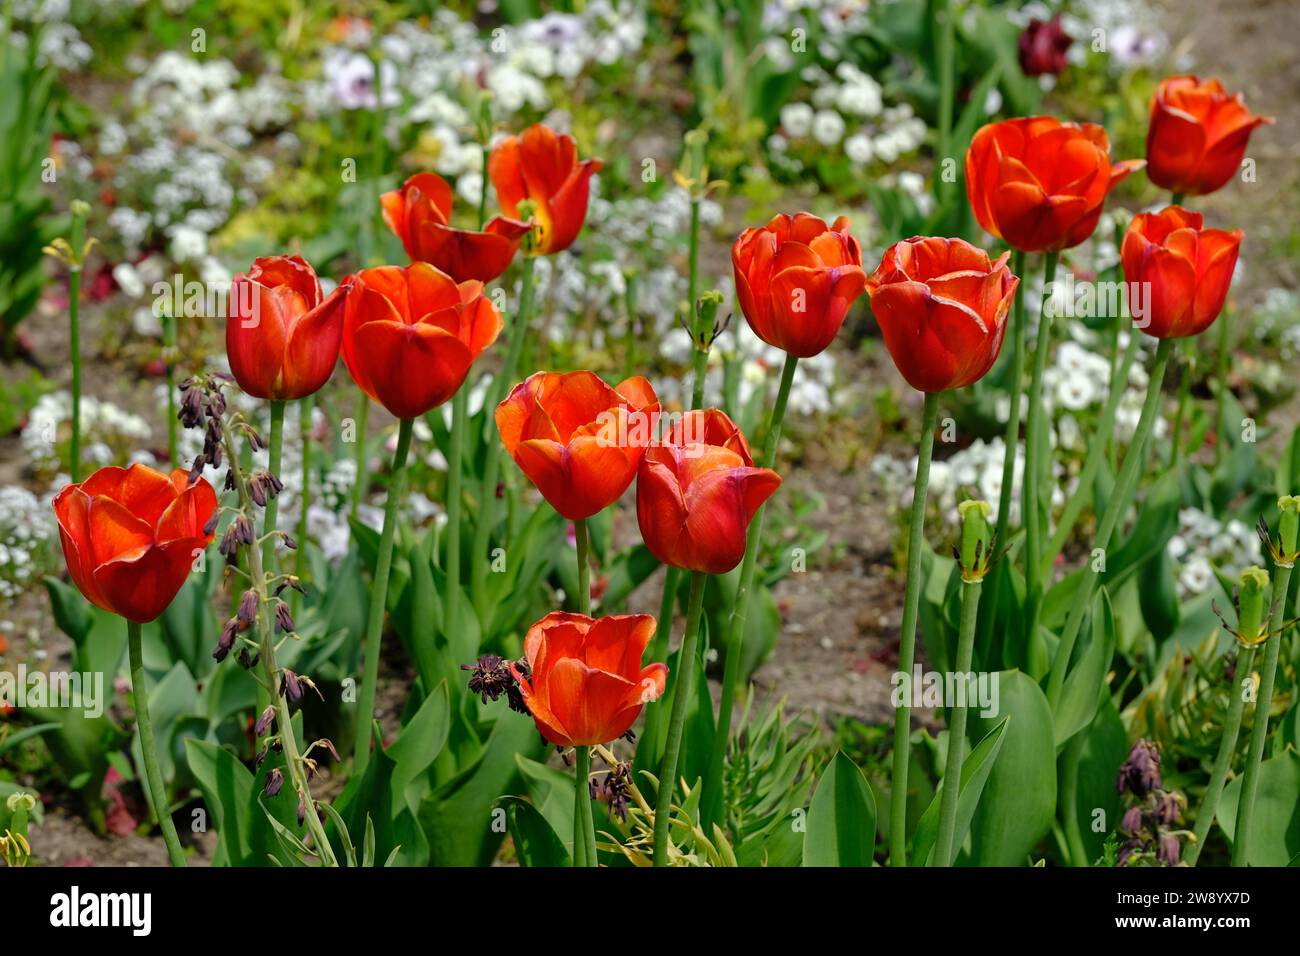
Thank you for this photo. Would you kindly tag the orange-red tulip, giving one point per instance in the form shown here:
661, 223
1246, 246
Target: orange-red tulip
1039, 183
420, 215
282, 336
942, 307
586, 685
578, 440
796, 279
1179, 270
1198, 135
410, 335
130, 536
697, 491
542, 166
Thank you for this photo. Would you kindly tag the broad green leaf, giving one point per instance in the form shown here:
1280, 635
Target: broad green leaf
1079, 694
1275, 829
974, 772
842, 818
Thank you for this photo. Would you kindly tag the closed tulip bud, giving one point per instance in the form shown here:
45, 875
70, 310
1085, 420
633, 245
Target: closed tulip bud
1038, 183
578, 440
586, 683
697, 492
410, 335
796, 279
942, 307
1197, 136
541, 166
282, 337
130, 536
420, 215
1178, 271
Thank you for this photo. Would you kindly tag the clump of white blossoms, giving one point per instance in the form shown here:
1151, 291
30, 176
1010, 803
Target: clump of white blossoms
28, 540
109, 433
1204, 544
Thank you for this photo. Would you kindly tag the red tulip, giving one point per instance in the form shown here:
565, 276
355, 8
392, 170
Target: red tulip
1180, 271
282, 336
586, 685
1043, 47
420, 215
697, 491
1198, 135
578, 440
542, 166
130, 536
410, 335
796, 279
1039, 183
942, 307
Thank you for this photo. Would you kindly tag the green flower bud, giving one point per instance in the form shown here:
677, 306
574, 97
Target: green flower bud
974, 538
1251, 621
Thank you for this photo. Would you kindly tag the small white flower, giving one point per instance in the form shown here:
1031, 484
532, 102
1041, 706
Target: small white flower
828, 127
797, 119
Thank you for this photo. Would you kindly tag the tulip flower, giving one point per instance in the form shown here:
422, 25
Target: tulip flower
1179, 271
697, 492
1038, 183
1197, 136
410, 335
409, 338
796, 279
585, 684
541, 166
420, 215
1043, 47
282, 336
942, 306
578, 440
130, 536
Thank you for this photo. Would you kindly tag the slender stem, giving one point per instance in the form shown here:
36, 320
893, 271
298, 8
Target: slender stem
629, 335
1116, 506
1077, 851
1184, 395
359, 453
943, 847
482, 196
1221, 386
682, 694
1092, 462
1176, 199
259, 578
1034, 455
907, 638
1223, 759
275, 446
304, 443
378, 600
582, 538
944, 57
711, 802
1012, 440
1259, 726
693, 262
492, 451
74, 334
153, 776
584, 831
169, 352
459, 413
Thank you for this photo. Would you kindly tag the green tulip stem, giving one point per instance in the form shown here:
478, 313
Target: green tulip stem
1034, 457
582, 540
943, 846
907, 638
681, 693
148, 747
275, 447
379, 601
584, 829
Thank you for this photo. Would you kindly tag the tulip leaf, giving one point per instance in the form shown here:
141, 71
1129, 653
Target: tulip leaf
1019, 802
416, 748
551, 794
1275, 832
842, 818
1083, 682
535, 840
1105, 746
974, 772
1158, 595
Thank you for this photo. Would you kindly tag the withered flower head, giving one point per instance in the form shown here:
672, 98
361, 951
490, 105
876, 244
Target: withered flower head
274, 781
492, 677
1140, 773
